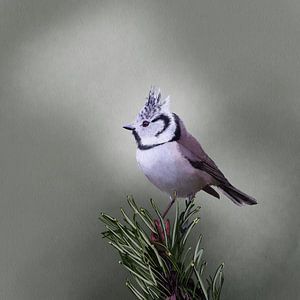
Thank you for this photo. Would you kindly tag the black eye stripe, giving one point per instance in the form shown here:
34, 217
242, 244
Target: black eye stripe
166, 121
160, 117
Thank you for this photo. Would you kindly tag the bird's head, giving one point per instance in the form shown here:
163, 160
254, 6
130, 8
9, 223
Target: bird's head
155, 123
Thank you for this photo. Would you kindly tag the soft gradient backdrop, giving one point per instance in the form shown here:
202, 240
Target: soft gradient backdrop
73, 72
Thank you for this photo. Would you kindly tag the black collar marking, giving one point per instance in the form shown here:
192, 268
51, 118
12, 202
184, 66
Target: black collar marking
177, 133
176, 136
140, 145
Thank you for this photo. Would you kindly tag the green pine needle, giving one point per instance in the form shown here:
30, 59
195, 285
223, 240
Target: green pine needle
155, 254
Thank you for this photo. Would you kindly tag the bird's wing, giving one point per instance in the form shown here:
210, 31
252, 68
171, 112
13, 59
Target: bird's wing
197, 157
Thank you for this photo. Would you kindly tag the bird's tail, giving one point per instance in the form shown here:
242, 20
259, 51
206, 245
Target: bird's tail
237, 196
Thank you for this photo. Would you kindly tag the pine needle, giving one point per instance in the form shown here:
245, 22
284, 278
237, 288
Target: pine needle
157, 257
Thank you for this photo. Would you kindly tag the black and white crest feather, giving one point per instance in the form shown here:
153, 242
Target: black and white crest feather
153, 105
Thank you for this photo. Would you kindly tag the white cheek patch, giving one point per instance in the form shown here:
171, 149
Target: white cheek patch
165, 136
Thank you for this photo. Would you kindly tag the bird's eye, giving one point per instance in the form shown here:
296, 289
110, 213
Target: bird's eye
145, 123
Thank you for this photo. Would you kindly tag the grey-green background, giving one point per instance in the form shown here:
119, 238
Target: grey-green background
72, 72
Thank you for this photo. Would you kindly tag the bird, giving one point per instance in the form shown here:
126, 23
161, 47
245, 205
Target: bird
172, 159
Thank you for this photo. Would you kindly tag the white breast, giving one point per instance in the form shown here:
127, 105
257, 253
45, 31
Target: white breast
170, 171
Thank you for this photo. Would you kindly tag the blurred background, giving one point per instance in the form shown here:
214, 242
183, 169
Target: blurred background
73, 72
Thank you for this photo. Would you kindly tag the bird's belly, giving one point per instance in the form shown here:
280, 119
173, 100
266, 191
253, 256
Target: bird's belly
169, 171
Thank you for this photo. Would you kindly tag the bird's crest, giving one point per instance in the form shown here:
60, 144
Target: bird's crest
154, 104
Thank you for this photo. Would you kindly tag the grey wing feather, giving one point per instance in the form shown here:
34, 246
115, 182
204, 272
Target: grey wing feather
197, 157
208, 189
235, 195
193, 151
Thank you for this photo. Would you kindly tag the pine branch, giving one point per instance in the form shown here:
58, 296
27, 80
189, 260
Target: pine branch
156, 256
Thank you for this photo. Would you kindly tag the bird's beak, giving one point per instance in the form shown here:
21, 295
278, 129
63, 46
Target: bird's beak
129, 127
